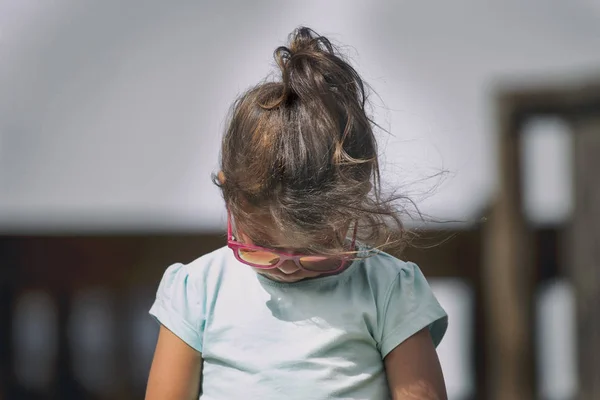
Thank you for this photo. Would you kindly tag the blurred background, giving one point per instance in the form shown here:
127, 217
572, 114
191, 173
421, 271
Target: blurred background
111, 115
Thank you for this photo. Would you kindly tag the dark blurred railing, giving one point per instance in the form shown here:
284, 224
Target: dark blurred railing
61, 267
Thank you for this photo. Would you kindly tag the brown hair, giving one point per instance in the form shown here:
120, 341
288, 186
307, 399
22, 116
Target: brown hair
301, 152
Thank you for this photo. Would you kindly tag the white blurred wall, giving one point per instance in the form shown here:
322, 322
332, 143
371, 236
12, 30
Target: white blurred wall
111, 112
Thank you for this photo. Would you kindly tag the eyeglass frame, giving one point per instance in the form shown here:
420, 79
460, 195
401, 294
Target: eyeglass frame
235, 246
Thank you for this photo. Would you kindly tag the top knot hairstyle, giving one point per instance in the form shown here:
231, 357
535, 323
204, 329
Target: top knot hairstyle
300, 153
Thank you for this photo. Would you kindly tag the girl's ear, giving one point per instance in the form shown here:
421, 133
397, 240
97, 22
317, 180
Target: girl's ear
221, 177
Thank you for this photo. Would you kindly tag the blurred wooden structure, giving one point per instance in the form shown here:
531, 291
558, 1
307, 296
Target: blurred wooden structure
584, 270
510, 259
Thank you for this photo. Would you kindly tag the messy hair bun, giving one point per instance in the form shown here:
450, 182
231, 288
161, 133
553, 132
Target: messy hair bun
300, 151
310, 69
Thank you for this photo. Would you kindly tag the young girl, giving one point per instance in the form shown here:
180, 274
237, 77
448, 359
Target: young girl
301, 303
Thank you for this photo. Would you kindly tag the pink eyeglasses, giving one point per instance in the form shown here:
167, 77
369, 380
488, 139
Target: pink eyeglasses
263, 258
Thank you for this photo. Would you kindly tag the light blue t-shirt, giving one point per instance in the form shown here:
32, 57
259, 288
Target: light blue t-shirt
323, 338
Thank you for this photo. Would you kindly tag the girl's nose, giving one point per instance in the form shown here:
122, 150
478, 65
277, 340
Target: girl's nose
288, 267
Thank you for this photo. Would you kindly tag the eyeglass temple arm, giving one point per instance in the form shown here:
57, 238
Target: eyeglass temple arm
229, 230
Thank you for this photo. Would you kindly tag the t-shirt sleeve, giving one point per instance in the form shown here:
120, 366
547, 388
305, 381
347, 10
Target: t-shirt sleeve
179, 306
409, 306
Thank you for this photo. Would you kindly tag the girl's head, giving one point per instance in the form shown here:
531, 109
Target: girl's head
299, 157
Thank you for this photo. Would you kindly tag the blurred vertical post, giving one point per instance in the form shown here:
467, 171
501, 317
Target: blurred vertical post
508, 275
584, 266
8, 282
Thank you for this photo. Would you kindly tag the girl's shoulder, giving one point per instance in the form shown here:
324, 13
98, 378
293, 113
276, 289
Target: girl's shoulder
383, 268
181, 298
404, 298
197, 275
212, 262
